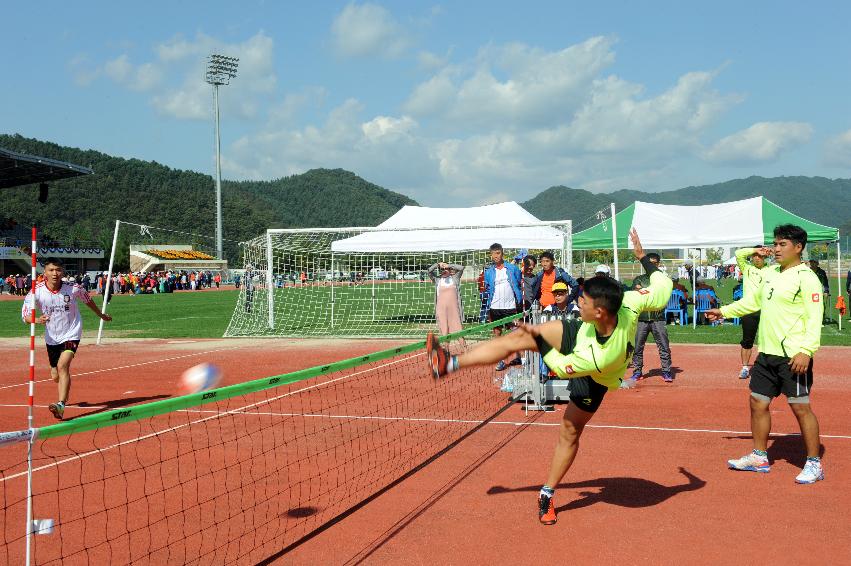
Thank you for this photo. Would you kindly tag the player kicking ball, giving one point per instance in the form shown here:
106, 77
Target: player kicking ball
789, 333
593, 352
63, 325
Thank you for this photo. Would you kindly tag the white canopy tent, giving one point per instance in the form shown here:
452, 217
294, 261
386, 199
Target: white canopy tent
420, 228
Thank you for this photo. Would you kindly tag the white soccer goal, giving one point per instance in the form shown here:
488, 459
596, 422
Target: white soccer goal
370, 282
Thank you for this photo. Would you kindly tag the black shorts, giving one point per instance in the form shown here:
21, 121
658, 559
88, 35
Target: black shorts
54, 351
750, 323
585, 393
496, 314
772, 376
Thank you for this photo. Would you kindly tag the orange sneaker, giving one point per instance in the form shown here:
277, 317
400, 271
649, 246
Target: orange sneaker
546, 510
436, 355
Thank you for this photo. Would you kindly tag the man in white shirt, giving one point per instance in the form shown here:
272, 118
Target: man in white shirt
503, 292
63, 325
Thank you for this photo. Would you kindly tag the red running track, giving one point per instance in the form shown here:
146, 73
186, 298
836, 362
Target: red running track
650, 483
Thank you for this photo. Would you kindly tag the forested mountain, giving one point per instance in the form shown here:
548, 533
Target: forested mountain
146, 192
827, 201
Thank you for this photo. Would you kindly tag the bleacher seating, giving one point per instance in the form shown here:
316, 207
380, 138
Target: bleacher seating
178, 254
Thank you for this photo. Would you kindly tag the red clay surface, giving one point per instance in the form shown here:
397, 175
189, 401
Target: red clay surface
649, 486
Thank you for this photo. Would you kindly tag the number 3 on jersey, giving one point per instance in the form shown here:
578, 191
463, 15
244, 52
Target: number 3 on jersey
770, 293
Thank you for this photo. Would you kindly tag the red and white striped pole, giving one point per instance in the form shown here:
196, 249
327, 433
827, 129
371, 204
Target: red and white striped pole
30, 409
32, 333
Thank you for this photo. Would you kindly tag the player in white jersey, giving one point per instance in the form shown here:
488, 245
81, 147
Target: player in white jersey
63, 325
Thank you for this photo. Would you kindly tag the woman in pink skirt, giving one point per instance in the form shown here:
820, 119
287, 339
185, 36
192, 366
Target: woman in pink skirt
447, 296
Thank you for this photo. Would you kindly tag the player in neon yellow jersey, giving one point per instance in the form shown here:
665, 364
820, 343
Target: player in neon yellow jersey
751, 282
593, 353
789, 335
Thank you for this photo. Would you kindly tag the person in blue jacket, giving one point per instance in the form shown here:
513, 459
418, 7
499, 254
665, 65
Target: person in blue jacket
504, 295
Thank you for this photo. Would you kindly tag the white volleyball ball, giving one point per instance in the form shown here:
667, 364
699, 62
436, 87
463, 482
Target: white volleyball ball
200, 378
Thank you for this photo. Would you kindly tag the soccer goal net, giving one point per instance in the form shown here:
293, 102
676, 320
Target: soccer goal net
372, 282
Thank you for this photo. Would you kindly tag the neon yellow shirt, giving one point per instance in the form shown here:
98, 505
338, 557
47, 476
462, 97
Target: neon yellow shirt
751, 274
791, 307
606, 363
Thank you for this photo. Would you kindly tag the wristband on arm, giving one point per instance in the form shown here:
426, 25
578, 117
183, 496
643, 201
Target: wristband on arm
648, 265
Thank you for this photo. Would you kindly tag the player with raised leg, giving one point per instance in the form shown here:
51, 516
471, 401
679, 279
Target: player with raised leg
789, 335
593, 352
63, 325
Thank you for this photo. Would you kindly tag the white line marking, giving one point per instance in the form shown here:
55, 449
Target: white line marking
242, 410
127, 366
512, 423
217, 415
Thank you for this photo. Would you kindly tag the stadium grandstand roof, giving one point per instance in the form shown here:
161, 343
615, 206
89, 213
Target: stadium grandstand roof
18, 169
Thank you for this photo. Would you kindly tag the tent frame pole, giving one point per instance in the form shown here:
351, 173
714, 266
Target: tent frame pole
615, 243
838, 277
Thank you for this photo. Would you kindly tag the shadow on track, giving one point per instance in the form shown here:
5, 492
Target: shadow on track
620, 491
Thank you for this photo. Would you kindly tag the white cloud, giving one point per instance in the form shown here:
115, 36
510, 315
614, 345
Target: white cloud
537, 87
837, 150
175, 77
187, 59
431, 61
511, 120
82, 70
363, 30
119, 68
384, 150
761, 142
142, 77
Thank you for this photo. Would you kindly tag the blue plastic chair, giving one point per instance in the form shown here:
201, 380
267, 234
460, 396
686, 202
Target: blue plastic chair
738, 293
675, 305
703, 302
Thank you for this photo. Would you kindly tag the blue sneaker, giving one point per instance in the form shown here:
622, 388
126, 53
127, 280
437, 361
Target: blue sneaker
636, 375
500, 366
752, 462
668, 377
745, 373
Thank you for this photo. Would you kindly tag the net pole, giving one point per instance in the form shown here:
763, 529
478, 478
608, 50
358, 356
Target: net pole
108, 285
270, 280
30, 403
615, 243
374, 277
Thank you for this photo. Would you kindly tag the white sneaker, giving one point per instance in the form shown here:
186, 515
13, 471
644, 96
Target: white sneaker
745, 373
750, 463
811, 473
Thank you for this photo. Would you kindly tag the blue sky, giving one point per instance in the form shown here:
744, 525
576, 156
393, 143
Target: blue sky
452, 104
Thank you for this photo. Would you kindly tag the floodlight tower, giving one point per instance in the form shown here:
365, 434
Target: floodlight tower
220, 70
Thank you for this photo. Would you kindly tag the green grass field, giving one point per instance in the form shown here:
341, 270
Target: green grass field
207, 314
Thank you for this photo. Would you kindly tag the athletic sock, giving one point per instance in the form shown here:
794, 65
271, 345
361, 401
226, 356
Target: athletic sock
452, 365
760, 453
548, 491
816, 459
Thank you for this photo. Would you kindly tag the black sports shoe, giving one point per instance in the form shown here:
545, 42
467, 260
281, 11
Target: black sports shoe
436, 355
546, 510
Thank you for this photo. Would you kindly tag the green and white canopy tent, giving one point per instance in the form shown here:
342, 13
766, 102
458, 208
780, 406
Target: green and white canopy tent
730, 224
